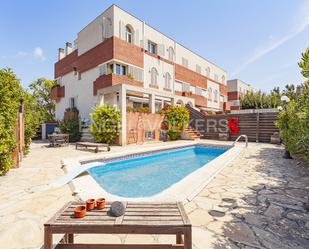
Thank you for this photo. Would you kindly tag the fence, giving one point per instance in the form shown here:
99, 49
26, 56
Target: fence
258, 126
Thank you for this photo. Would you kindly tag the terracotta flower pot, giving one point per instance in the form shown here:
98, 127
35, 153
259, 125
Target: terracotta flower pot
80, 212
100, 203
90, 204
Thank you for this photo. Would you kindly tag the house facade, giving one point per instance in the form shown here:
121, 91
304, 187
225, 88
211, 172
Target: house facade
119, 60
235, 88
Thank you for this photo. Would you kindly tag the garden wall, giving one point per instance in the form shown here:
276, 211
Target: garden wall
143, 125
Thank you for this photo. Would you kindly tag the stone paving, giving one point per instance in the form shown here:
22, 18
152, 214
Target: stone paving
258, 201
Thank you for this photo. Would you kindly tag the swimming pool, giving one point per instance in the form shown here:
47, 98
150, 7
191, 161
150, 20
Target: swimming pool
148, 174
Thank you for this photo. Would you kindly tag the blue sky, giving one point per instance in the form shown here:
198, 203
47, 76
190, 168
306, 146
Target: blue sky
258, 41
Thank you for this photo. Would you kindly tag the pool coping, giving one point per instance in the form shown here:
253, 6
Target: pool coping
183, 190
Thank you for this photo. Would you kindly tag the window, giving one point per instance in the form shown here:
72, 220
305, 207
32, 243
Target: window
152, 47
208, 72
193, 89
216, 77
121, 69
209, 93
216, 95
72, 102
171, 54
223, 79
167, 81
79, 75
198, 69
154, 76
204, 93
185, 62
129, 34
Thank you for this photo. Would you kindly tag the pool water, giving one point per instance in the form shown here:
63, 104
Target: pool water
151, 174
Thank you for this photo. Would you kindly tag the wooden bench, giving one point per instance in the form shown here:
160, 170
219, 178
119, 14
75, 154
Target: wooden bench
139, 218
92, 145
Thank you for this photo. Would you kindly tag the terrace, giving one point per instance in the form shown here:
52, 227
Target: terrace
256, 201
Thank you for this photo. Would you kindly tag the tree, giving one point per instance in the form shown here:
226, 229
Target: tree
10, 96
40, 90
293, 122
32, 118
304, 64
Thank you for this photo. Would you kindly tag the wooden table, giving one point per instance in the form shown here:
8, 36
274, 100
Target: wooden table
139, 218
58, 139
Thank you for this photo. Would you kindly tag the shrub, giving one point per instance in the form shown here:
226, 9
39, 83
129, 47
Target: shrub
176, 118
294, 126
10, 94
32, 119
105, 124
173, 134
71, 126
293, 121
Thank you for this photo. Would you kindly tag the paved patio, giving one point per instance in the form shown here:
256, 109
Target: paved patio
255, 202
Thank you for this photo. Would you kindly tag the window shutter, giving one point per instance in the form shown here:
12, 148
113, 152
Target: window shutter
103, 69
161, 49
145, 45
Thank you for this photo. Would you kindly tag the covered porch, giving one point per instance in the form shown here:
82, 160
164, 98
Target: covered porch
123, 95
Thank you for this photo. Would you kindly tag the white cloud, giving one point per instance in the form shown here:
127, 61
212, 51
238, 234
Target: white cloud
299, 25
39, 54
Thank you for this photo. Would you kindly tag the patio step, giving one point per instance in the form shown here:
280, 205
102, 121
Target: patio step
191, 133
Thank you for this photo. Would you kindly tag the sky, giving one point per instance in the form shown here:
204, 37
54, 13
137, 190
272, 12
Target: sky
257, 41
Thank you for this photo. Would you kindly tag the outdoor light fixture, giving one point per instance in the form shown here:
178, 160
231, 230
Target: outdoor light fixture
285, 99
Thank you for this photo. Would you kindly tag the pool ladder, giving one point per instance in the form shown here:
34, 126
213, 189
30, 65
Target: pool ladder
246, 140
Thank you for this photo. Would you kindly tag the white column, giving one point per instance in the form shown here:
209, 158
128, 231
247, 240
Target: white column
100, 99
152, 103
123, 110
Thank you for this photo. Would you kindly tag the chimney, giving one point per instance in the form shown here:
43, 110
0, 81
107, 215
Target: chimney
68, 48
60, 54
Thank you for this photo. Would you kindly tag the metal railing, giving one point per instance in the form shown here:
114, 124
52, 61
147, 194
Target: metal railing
246, 139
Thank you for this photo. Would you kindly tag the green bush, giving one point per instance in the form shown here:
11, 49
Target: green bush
176, 118
105, 124
293, 121
174, 134
32, 118
10, 95
72, 127
294, 126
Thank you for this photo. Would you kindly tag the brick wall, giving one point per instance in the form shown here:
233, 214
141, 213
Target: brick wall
113, 79
110, 48
233, 96
187, 75
57, 92
199, 100
128, 52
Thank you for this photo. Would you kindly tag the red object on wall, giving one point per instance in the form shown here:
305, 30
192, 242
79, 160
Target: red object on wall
233, 125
